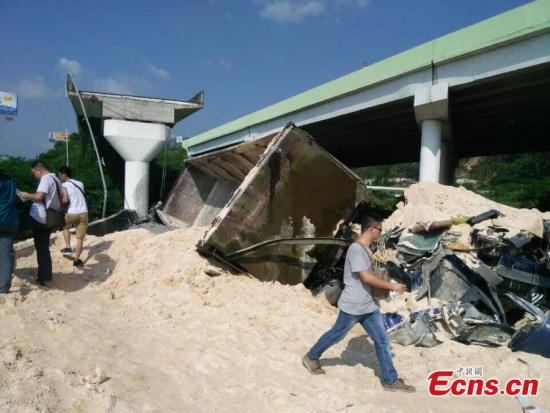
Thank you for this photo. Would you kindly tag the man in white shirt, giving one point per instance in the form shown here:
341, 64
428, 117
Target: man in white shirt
77, 213
48, 195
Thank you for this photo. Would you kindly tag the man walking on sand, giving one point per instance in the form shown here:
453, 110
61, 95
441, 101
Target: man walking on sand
357, 305
77, 213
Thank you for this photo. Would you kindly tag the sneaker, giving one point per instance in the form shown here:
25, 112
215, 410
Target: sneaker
66, 251
313, 366
78, 263
399, 385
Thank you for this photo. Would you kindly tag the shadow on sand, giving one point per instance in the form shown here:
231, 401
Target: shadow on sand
77, 278
358, 351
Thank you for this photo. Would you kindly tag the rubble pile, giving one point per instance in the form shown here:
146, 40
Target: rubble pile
481, 269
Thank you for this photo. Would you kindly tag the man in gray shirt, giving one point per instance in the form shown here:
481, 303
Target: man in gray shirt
357, 305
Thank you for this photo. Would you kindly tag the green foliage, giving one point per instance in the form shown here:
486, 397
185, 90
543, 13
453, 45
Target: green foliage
383, 203
521, 181
380, 175
174, 161
18, 168
84, 165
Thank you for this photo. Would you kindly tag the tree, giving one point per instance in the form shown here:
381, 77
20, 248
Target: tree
83, 163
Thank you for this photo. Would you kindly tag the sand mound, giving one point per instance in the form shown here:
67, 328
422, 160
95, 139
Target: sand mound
429, 201
142, 328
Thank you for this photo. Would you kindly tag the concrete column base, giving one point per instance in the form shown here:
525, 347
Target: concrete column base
136, 187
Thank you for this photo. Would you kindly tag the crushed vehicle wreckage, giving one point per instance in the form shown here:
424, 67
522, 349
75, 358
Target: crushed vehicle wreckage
481, 270
281, 208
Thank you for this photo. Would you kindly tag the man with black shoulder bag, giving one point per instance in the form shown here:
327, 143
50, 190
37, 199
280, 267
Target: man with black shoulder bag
45, 215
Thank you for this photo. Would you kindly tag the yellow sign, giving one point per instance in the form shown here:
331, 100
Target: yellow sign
58, 136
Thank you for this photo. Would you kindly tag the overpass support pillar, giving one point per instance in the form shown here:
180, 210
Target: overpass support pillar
430, 150
431, 107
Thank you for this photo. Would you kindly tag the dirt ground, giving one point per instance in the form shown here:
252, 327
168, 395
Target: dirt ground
169, 338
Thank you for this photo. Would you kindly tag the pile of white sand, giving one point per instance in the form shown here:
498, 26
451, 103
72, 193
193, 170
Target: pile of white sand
429, 201
142, 328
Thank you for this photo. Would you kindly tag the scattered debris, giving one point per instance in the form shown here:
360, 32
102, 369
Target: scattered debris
527, 405
212, 271
96, 376
475, 263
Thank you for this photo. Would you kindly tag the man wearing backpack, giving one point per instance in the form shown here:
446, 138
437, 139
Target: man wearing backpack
47, 197
77, 213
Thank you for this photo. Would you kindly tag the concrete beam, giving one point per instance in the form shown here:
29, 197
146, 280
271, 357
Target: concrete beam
432, 103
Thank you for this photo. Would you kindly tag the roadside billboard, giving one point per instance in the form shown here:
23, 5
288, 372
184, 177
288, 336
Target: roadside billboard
58, 136
8, 103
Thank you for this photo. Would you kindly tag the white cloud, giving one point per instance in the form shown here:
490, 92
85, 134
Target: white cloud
69, 66
34, 89
225, 63
161, 73
123, 85
359, 3
292, 11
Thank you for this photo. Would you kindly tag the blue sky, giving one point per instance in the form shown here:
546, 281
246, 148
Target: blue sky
245, 54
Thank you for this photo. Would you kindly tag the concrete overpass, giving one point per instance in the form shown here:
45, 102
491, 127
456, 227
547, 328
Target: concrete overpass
483, 90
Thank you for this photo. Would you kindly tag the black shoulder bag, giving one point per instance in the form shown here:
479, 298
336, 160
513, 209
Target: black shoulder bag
55, 218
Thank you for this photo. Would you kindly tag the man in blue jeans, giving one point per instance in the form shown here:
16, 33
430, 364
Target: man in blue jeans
357, 305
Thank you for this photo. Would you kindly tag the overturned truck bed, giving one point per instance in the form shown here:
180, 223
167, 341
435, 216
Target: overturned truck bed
270, 205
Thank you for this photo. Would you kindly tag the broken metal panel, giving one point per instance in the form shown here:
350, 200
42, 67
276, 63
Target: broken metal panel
534, 336
297, 190
525, 277
446, 285
206, 185
428, 266
296, 179
218, 197
478, 267
330, 260
471, 326
251, 151
420, 332
527, 306
521, 269
452, 281
188, 196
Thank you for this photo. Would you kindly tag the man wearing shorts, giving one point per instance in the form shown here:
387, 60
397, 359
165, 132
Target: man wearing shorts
77, 213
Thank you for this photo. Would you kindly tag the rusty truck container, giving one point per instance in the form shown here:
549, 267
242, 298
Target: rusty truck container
278, 187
